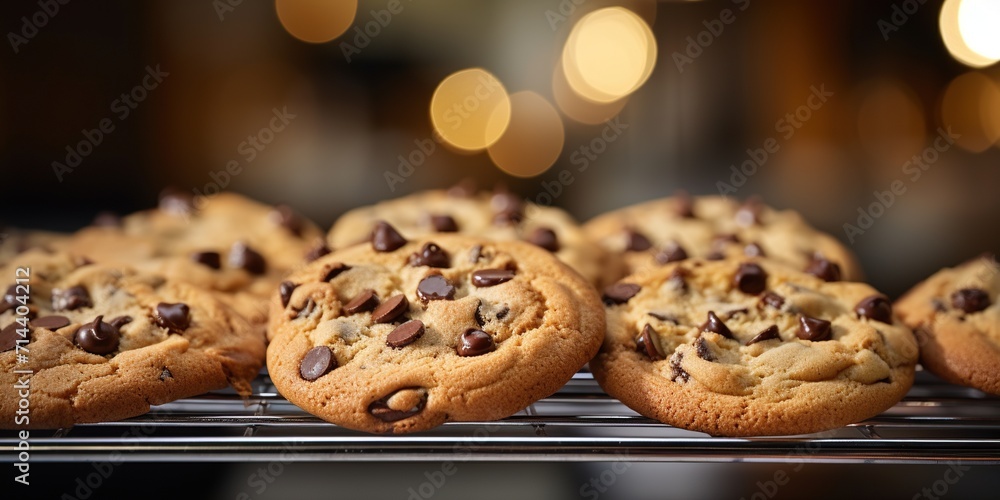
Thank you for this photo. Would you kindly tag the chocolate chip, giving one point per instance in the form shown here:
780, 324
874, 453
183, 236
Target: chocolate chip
475, 342
665, 317
502, 312
677, 280
507, 208
210, 259
391, 309
646, 344
673, 252
165, 374
380, 409
319, 250
480, 314
97, 337
636, 241
10, 299
702, 349
9, 337
750, 279
175, 202
684, 204
107, 219
876, 307
824, 269
385, 238
334, 270
714, 324
720, 241
444, 224
50, 322
243, 257
317, 362
70, 299
715, 255
405, 334
620, 293
120, 321
285, 290
970, 300
814, 329
769, 333
491, 277
676, 372
363, 302
753, 250
749, 213
938, 305
435, 287
284, 216
772, 299
431, 255
732, 313
174, 317
307, 310
545, 238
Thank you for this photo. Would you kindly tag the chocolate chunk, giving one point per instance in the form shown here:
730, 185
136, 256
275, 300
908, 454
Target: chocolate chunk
165, 374
173, 317
391, 309
507, 208
243, 257
753, 250
385, 238
480, 314
431, 255
10, 299
715, 255
714, 324
475, 342
684, 204
646, 344
97, 337
50, 322
107, 219
120, 321
824, 269
70, 299
334, 270
210, 259
317, 362
636, 241
772, 299
750, 279
665, 317
380, 409
677, 279
364, 301
405, 334
491, 277
502, 312
284, 216
285, 290
749, 213
317, 251
676, 372
308, 309
444, 224
876, 307
9, 337
620, 293
545, 238
970, 300
435, 287
176, 202
673, 252
814, 329
769, 333
702, 349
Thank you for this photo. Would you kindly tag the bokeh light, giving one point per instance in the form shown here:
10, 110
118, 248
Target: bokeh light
978, 21
533, 140
891, 124
470, 109
578, 108
609, 54
316, 21
956, 34
969, 106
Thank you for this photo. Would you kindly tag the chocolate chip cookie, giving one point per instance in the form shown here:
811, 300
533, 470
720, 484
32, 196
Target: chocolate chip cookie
500, 215
747, 348
15, 240
673, 229
956, 316
400, 336
103, 343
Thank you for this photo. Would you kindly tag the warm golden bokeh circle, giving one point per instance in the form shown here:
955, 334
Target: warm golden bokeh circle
470, 109
316, 21
533, 140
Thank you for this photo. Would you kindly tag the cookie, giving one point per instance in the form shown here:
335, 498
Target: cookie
956, 316
656, 232
399, 336
14, 241
228, 243
105, 343
748, 348
498, 216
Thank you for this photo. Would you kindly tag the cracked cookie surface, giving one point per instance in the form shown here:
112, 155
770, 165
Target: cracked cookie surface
743, 347
108, 342
443, 328
956, 316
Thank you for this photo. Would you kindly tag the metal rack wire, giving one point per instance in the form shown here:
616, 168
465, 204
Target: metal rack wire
935, 423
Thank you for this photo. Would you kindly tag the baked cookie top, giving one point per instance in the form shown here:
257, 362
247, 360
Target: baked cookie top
656, 232
499, 216
401, 336
105, 343
956, 316
14, 241
748, 347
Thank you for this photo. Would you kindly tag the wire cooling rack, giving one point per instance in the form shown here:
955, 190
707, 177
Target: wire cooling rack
935, 423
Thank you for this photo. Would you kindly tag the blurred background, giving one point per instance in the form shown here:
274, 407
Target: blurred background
585, 104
